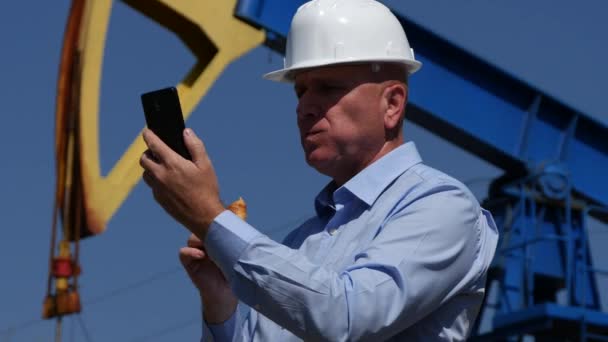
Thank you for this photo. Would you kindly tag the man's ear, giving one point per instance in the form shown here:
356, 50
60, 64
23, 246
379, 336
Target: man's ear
395, 99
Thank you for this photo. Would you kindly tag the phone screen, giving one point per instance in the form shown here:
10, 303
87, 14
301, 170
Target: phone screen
164, 117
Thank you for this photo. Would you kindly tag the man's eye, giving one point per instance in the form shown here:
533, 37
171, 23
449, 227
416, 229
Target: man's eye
331, 87
299, 91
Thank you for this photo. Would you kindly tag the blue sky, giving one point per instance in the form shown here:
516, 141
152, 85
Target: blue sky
132, 286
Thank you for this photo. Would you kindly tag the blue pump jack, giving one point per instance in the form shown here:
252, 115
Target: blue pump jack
541, 282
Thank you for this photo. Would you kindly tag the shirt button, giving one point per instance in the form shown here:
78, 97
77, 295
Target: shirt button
332, 231
257, 307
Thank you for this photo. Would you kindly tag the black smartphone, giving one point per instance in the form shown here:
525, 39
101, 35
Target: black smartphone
164, 117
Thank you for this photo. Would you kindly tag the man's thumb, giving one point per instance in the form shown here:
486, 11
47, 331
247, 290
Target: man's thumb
195, 146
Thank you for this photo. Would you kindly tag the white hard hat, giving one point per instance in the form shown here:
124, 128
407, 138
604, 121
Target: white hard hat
328, 32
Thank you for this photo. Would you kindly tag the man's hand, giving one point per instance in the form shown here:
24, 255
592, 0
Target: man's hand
218, 300
187, 190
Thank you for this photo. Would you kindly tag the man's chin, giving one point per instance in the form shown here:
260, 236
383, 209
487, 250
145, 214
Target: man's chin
322, 165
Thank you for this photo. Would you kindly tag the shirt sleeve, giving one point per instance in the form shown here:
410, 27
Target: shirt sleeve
231, 329
423, 254
223, 331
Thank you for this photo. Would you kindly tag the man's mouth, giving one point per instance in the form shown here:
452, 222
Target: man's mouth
311, 133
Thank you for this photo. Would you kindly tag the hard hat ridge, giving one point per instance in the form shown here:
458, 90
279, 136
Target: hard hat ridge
328, 32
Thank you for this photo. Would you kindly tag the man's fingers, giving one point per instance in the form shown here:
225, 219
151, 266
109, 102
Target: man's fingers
195, 146
189, 254
157, 147
150, 165
194, 241
149, 179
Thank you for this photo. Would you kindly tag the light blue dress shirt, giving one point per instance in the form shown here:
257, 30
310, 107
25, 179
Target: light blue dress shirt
400, 252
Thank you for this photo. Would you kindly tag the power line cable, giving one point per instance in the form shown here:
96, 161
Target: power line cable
166, 331
153, 277
72, 328
12, 330
83, 326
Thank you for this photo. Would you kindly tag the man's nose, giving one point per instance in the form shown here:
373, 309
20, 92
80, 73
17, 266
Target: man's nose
308, 107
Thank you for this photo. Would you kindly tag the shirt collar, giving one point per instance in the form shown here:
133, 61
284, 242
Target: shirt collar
368, 184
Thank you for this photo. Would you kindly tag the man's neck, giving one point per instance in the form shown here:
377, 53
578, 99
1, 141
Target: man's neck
384, 150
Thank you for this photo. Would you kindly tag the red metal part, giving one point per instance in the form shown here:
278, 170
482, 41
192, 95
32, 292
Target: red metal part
62, 268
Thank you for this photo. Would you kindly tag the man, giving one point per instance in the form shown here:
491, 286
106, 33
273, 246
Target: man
396, 251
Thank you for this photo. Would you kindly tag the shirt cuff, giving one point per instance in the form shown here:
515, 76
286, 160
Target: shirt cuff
226, 239
223, 331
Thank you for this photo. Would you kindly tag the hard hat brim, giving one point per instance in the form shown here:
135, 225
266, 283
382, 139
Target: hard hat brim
287, 75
